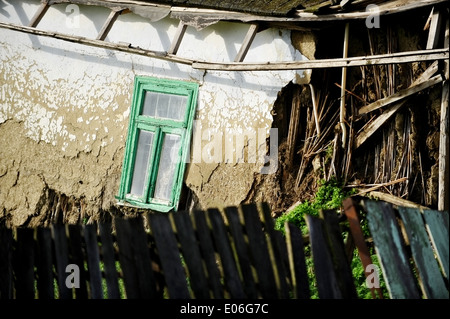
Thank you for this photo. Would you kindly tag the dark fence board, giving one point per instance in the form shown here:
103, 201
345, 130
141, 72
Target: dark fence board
208, 253
391, 250
6, 272
77, 257
44, 264
297, 262
24, 263
169, 255
437, 224
61, 258
231, 274
259, 252
93, 260
340, 259
142, 259
327, 283
423, 255
124, 235
109, 261
192, 255
278, 252
242, 251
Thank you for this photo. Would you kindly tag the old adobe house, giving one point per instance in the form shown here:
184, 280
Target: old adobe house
168, 105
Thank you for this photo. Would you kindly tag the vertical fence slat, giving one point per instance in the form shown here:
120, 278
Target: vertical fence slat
24, 263
61, 258
220, 235
259, 252
208, 252
6, 274
191, 254
77, 257
44, 263
297, 262
327, 283
243, 252
391, 250
107, 250
437, 225
279, 252
124, 234
423, 255
335, 240
169, 254
93, 260
142, 259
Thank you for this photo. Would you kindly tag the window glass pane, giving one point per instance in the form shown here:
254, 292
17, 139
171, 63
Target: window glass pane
167, 165
144, 148
165, 106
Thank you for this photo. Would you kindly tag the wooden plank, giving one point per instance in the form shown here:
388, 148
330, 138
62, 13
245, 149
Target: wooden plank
124, 234
391, 250
277, 251
359, 241
39, 14
77, 257
340, 258
249, 37
432, 282
435, 29
242, 250
192, 256
444, 157
373, 126
61, 258
113, 15
24, 263
395, 200
259, 252
98, 43
44, 264
231, 274
327, 283
437, 224
109, 261
208, 253
142, 260
93, 261
392, 58
6, 271
296, 253
176, 42
169, 254
400, 95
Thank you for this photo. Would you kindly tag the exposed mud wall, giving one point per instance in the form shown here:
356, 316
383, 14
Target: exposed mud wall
64, 109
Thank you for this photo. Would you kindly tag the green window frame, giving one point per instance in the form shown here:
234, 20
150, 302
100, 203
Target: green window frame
158, 141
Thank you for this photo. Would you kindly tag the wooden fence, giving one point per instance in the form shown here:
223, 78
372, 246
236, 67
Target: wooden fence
235, 253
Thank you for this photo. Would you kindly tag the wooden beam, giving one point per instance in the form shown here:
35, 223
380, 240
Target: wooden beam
435, 28
380, 120
178, 37
251, 33
39, 14
395, 200
113, 15
98, 43
400, 57
400, 95
444, 149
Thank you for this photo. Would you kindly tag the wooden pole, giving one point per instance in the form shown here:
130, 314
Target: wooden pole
443, 192
343, 84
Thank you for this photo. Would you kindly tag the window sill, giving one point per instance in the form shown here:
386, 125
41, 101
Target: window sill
134, 204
